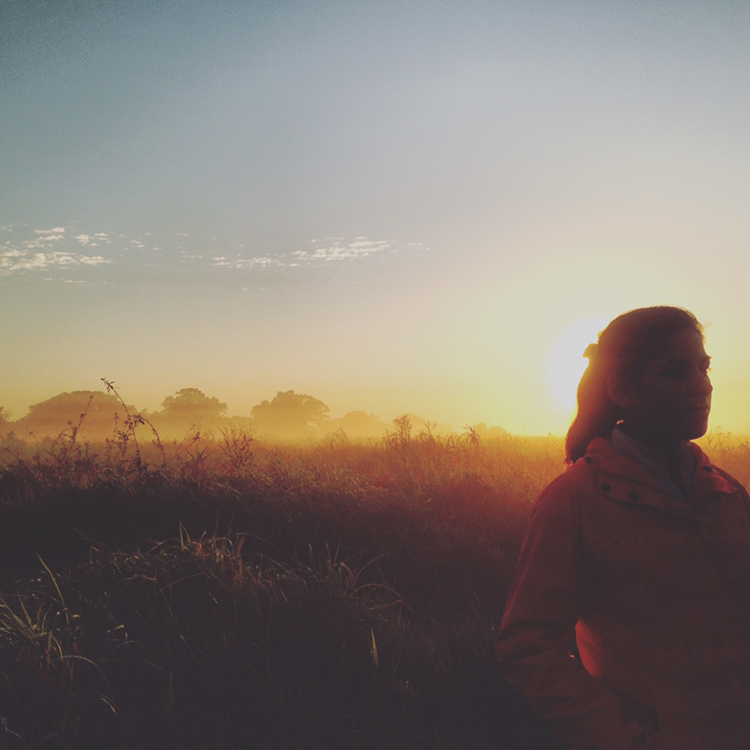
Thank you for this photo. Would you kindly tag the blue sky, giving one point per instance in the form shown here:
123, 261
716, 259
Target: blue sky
391, 206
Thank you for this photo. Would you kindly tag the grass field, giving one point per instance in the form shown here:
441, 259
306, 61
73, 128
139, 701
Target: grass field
225, 593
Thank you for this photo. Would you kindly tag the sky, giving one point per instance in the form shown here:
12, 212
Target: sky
426, 206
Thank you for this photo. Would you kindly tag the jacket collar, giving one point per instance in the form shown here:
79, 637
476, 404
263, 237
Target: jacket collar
684, 463
623, 479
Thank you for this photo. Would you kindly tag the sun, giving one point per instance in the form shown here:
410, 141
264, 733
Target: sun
566, 362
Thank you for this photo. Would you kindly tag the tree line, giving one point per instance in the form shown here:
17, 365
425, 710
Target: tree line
96, 414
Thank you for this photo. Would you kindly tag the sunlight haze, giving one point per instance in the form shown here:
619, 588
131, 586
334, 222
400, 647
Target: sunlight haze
393, 207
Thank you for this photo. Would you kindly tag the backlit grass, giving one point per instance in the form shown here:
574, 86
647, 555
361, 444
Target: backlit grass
221, 593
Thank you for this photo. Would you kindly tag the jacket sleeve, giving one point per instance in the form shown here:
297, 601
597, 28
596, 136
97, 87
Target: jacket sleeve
537, 630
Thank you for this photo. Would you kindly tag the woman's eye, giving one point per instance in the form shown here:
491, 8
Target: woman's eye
682, 372
675, 373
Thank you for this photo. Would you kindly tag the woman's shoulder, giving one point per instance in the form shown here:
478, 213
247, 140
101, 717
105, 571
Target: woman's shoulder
577, 481
580, 485
704, 465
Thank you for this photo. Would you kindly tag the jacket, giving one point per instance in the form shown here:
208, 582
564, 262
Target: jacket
652, 592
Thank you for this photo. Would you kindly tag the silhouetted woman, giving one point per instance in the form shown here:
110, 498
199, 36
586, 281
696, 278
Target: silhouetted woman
641, 552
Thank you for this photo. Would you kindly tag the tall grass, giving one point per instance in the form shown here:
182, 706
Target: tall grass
221, 593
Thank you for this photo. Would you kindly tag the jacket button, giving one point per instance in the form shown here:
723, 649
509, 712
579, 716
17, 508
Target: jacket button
606, 487
708, 468
633, 495
589, 460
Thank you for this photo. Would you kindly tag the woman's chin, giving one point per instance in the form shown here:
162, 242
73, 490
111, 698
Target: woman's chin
697, 428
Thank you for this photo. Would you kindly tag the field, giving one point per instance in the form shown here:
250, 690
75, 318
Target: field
225, 593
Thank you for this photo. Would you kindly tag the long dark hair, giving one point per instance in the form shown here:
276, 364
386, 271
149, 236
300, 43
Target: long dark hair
624, 348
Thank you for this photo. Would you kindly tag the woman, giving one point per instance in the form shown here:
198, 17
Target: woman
637, 558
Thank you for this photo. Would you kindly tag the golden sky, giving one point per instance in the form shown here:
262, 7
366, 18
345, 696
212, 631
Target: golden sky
423, 207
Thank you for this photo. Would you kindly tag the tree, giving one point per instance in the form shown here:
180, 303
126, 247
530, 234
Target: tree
290, 414
358, 424
192, 405
51, 417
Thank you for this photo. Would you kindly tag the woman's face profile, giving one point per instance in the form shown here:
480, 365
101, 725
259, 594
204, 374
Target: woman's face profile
671, 399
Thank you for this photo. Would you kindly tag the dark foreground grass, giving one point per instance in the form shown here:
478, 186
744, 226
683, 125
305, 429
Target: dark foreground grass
223, 594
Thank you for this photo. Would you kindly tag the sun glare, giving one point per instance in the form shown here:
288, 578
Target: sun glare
566, 362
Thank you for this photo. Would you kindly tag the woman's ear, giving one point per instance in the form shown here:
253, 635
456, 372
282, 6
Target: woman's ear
619, 392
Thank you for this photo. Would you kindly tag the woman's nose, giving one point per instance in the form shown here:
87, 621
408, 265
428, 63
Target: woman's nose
703, 384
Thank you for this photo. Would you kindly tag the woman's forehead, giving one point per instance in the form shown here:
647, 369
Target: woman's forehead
686, 344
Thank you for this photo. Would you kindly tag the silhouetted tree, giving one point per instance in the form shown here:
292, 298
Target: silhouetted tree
358, 424
403, 427
51, 417
192, 405
483, 431
290, 413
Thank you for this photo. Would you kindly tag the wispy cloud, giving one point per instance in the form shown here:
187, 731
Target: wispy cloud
24, 250
321, 253
18, 260
339, 250
246, 262
48, 249
56, 230
51, 237
93, 240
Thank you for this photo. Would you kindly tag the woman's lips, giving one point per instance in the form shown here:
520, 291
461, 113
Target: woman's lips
698, 410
